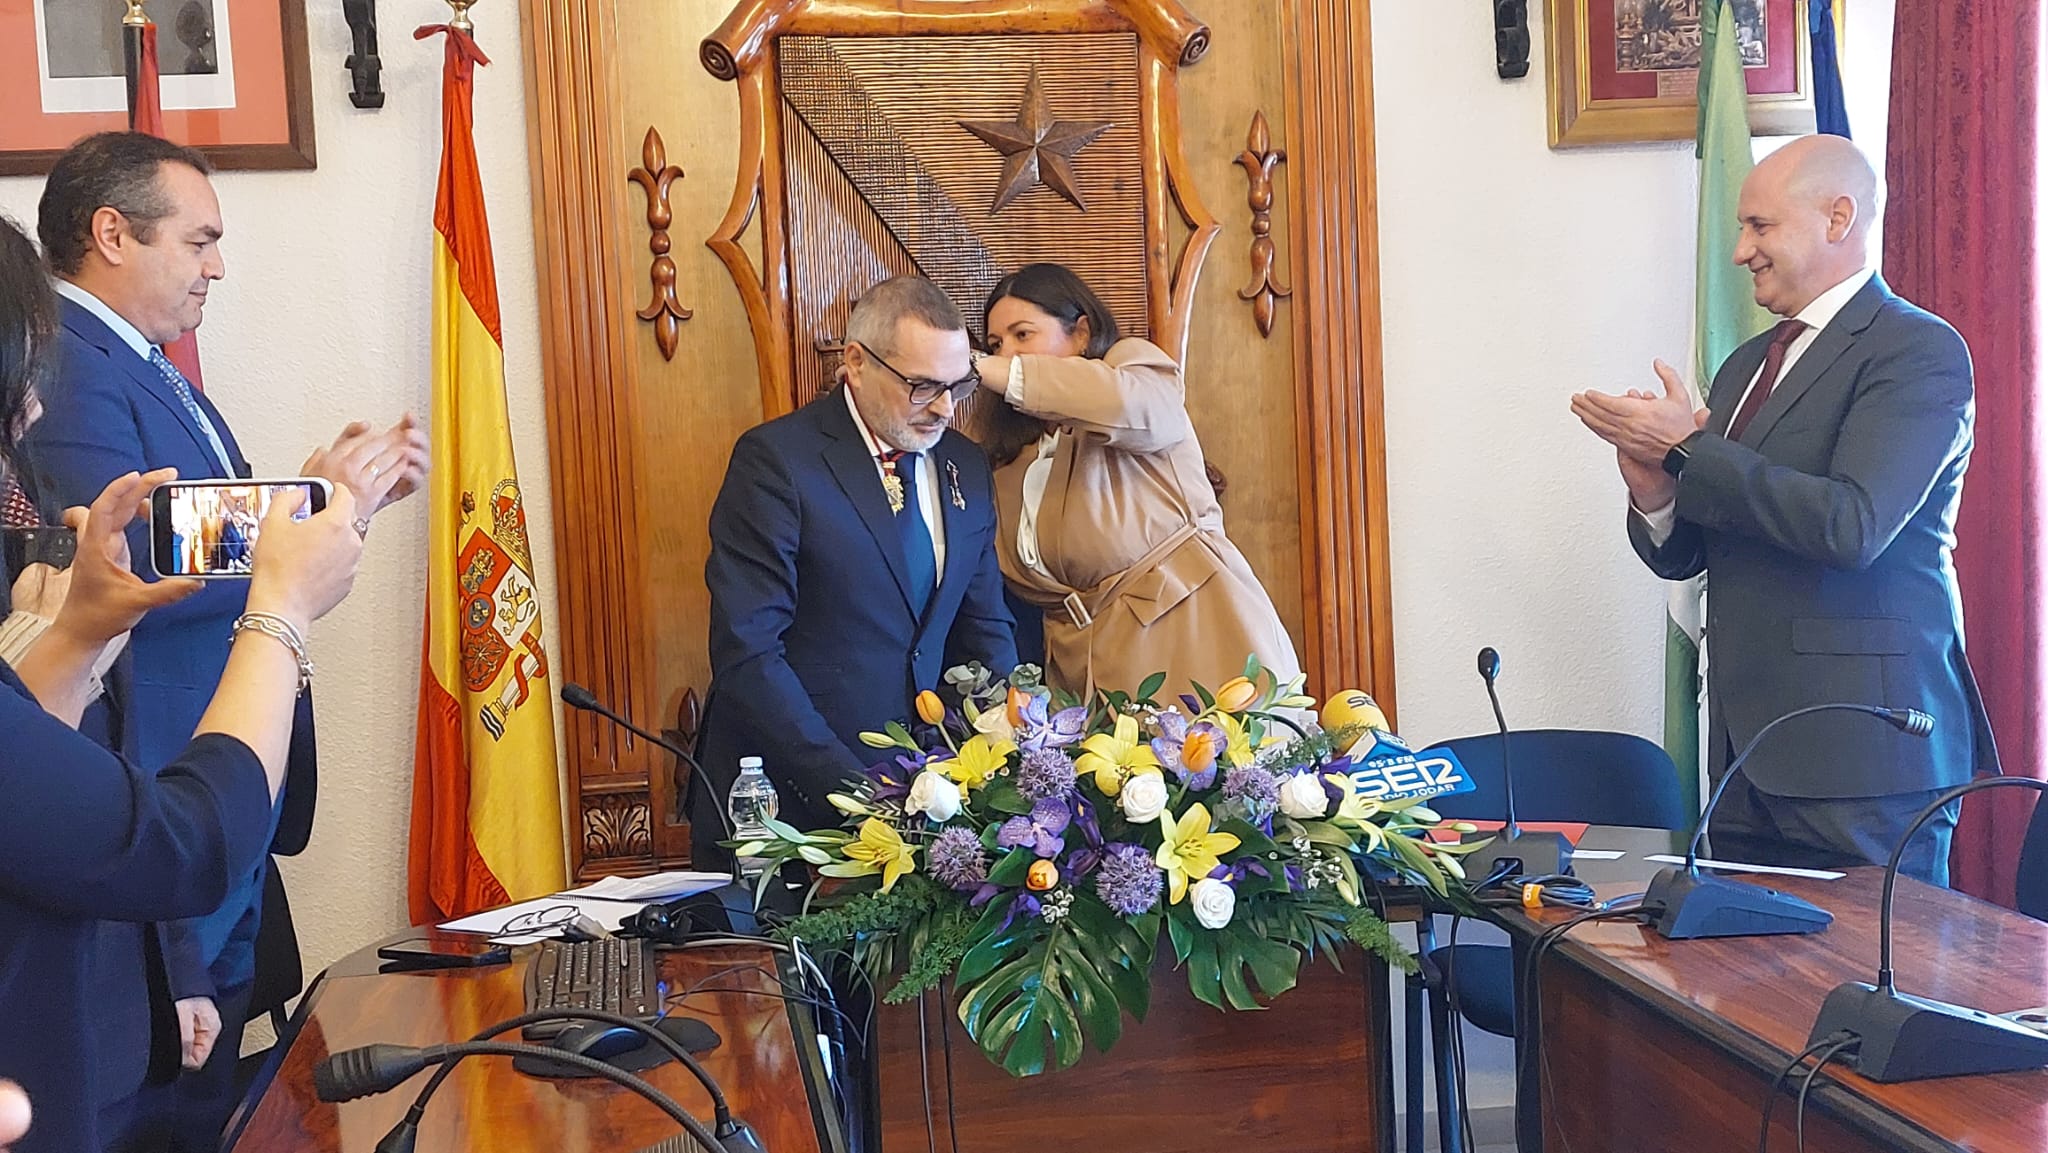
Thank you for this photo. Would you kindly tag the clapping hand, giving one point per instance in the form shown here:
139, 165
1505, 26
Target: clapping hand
1643, 426
380, 468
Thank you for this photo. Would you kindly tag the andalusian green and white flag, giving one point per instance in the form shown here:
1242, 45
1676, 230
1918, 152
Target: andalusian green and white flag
1725, 314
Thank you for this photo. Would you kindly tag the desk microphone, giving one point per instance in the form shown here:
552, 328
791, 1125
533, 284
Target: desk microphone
1690, 904
1512, 852
368, 1070
578, 697
1906, 1038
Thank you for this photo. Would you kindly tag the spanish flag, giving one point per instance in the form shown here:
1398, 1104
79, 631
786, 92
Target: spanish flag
486, 806
146, 114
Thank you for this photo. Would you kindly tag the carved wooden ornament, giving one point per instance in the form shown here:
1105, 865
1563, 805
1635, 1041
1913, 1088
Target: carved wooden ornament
1259, 160
1037, 148
654, 176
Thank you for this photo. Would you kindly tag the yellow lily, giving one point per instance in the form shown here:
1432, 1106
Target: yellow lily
1188, 850
1237, 748
980, 758
878, 849
1116, 757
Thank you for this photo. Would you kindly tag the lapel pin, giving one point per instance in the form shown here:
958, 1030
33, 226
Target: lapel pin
953, 481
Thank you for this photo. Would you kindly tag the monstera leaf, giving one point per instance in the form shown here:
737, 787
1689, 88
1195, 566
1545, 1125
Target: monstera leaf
1032, 992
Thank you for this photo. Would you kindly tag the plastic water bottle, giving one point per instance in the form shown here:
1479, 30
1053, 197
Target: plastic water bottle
752, 798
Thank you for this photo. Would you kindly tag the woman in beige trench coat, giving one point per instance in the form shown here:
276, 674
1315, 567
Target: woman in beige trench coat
1109, 524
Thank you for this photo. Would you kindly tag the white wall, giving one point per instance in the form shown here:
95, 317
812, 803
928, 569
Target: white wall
323, 318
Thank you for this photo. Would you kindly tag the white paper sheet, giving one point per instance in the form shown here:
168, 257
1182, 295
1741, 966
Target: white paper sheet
658, 887
609, 914
1734, 867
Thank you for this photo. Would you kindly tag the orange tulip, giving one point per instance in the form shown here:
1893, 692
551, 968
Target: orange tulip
930, 708
1236, 695
1043, 875
1018, 698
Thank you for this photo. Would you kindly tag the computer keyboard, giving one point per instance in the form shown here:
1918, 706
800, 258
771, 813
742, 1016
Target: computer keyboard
612, 974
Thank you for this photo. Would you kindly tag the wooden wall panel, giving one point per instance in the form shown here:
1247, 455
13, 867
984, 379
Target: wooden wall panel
1241, 388
639, 443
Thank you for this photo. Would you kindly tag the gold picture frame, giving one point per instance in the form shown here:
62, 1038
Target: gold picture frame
1606, 88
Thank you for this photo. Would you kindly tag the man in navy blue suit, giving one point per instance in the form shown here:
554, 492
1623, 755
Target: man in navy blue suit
852, 562
131, 227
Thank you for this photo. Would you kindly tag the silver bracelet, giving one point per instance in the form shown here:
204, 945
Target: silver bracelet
285, 633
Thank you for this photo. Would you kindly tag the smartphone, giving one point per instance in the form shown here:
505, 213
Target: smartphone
208, 528
444, 953
51, 544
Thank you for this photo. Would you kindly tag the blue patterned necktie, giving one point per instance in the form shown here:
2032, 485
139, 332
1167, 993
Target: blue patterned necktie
183, 390
915, 535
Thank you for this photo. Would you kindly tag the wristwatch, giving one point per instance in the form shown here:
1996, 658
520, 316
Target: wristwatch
1675, 460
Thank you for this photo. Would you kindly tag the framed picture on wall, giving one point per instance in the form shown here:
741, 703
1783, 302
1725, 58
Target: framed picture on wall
1628, 70
235, 81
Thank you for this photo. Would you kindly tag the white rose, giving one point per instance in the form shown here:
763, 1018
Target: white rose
935, 795
1302, 796
1214, 902
1144, 797
994, 723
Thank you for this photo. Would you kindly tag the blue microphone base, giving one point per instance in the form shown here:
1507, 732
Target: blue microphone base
1691, 905
1906, 1038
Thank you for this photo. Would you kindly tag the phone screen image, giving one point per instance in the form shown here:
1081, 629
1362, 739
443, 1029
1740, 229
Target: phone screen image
210, 529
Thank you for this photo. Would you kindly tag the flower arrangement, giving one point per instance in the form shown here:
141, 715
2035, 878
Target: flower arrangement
1033, 849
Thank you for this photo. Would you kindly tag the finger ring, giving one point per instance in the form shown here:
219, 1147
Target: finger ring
374, 470
362, 528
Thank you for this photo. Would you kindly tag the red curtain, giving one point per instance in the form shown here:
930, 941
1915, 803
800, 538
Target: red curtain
1960, 239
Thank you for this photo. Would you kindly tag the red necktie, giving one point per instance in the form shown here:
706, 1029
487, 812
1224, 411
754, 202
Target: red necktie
1781, 340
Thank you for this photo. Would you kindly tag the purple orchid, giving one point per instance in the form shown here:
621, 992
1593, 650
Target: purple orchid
1039, 730
1044, 831
1189, 751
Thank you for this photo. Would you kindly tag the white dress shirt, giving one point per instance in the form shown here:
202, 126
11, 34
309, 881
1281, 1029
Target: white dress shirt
1815, 316
1036, 475
927, 484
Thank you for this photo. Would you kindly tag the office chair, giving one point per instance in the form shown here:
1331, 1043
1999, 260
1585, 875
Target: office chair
1594, 778
2032, 886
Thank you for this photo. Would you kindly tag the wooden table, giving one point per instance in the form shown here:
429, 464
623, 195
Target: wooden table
1655, 1045
766, 1065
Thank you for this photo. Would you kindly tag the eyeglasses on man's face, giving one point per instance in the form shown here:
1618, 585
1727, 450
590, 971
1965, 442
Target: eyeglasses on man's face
923, 389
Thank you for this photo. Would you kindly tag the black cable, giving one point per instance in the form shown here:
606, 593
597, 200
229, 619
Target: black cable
946, 1042
1763, 1136
722, 1112
1528, 1001
1456, 1039
447, 1055
1819, 1063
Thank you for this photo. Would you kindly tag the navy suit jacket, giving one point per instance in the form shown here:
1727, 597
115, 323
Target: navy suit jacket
812, 635
108, 412
85, 839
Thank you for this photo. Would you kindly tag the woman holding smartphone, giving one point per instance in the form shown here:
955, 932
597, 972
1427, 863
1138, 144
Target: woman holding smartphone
1109, 523
85, 836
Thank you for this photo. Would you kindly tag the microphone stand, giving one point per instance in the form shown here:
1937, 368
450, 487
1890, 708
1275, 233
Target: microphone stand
1512, 852
1689, 904
1901, 1037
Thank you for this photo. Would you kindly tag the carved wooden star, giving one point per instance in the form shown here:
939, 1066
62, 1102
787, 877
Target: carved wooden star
1040, 149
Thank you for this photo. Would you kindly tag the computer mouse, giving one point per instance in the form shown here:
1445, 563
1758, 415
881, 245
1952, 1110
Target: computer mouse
597, 1040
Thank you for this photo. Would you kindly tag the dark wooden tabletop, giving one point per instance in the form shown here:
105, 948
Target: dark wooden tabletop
487, 1105
1758, 996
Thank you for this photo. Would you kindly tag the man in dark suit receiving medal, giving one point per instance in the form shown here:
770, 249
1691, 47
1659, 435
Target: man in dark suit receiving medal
852, 562
1818, 490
